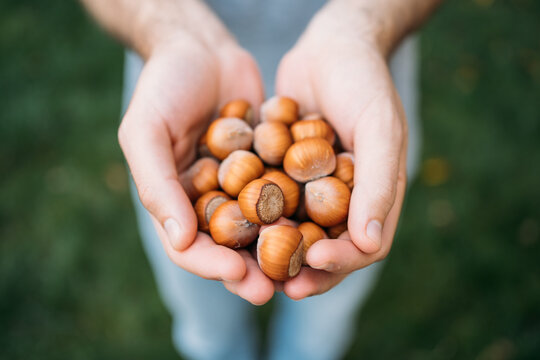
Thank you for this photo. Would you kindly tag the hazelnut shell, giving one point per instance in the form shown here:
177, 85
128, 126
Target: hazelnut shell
239, 108
290, 189
261, 201
327, 201
345, 168
316, 128
200, 178
229, 227
280, 252
336, 230
271, 141
226, 135
237, 170
311, 233
206, 205
309, 159
281, 109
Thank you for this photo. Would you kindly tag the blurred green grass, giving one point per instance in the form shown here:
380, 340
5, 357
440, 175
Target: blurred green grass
462, 281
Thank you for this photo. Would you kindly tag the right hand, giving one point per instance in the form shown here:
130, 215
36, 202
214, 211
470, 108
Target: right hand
182, 84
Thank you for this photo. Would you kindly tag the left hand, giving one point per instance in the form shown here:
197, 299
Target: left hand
344, 76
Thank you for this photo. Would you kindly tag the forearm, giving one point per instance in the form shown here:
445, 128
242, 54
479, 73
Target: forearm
143, 25
385, 22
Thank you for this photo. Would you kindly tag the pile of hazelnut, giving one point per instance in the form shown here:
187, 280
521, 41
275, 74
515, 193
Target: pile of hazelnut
283, 167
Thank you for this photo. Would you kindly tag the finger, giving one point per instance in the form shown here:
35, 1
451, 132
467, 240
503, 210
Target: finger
342, 256
205, 258
148, 150
255, 287
378, 143
310, 282
287, 85
247, 82
338, 256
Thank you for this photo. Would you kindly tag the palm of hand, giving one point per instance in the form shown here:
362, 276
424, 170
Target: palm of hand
351, 86
178, 91
181, 89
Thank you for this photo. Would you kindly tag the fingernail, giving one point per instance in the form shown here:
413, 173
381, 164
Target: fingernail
325, 267
374, 232
173, 232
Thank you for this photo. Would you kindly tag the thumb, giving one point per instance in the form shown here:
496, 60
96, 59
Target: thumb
379, 156
148, 150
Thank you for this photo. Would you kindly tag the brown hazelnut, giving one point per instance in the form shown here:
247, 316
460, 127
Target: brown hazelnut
239, 109
290, 189
327, 201
261, 201
237, 170
280, 252
315, 128
311, 233
309, 159
281, 109
230, 228
200, 178
206, 205
345, 168
336, 230
226, 135
271, 141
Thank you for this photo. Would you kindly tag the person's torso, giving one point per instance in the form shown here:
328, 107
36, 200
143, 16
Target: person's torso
267, 29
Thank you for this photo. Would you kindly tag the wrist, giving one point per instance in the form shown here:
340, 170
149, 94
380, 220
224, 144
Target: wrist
358, 22
157, 28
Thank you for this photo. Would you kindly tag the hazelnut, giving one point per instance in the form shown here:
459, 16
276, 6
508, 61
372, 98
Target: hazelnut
327, 201
200, 178
345, 168
261, 201
206, 205
336, 230
280, 252
311, 233
226, 135
230, 228
271, 141
281, 109
309, 159
316, 128
237, 170
290, 189
239, 109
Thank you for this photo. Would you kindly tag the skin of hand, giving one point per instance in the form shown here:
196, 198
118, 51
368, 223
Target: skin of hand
344, 75
191, 71
182, 83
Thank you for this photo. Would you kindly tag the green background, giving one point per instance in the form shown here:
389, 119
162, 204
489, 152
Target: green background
463, 278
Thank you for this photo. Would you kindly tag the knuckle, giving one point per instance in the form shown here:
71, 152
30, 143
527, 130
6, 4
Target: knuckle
385, 195
148, 197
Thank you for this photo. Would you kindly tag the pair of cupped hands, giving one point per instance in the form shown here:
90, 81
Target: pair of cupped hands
345, 78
